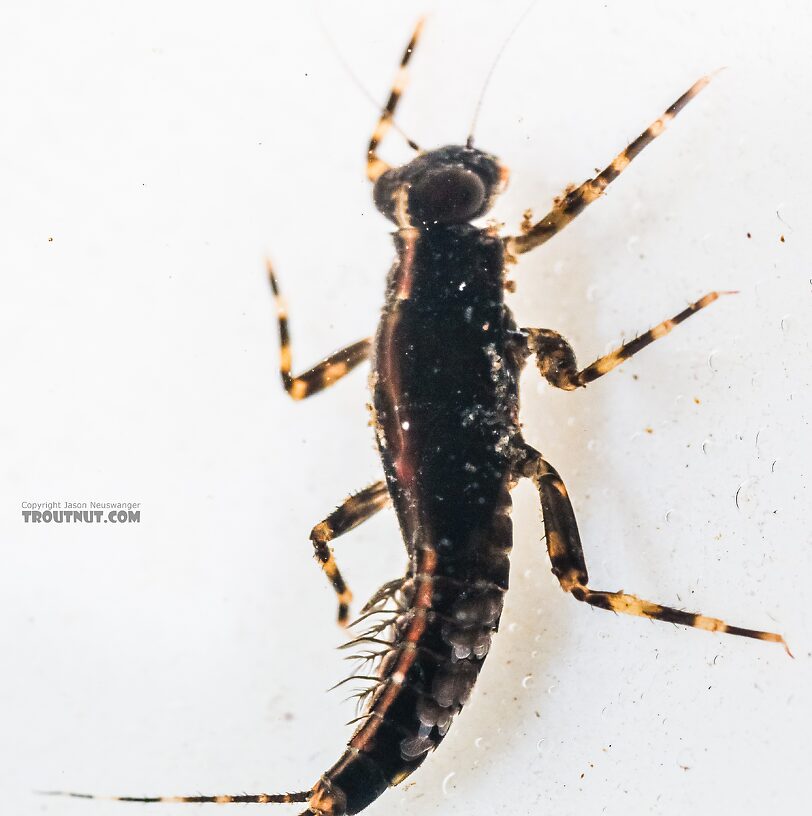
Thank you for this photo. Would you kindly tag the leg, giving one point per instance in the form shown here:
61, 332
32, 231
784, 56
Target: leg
328, 371
376, 166
355, 510
567, 557
556, 359
576, 200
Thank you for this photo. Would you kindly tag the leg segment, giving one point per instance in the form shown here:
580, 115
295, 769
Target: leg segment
556, 359
328, 371
376, 166
575, 201
567, 557
355, 510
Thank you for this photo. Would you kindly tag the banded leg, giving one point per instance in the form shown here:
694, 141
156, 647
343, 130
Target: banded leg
375, 165
575, 201
567, 557
328, 371
355, 510
556, 359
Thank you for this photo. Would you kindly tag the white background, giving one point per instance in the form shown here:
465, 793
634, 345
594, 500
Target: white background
165, 148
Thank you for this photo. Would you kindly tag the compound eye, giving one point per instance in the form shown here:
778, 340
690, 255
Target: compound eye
447, 195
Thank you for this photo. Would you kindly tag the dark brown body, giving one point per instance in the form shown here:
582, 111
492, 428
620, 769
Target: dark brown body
444, 382
445, 367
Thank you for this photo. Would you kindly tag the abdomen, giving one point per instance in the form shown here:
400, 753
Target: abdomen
444, 391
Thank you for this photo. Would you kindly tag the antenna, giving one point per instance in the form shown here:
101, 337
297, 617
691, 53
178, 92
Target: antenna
469, 142
357, 82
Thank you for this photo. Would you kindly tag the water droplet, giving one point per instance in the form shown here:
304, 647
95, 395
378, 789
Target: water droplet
483, 744
707, 447
512, 627
449, 788
527, 681
711, 361
528, 573
593, 445
747, 495
786, 324
540, 746
764, 438
552, 690
669, 516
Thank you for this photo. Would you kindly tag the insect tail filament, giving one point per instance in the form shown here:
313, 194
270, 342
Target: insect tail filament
244, 798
